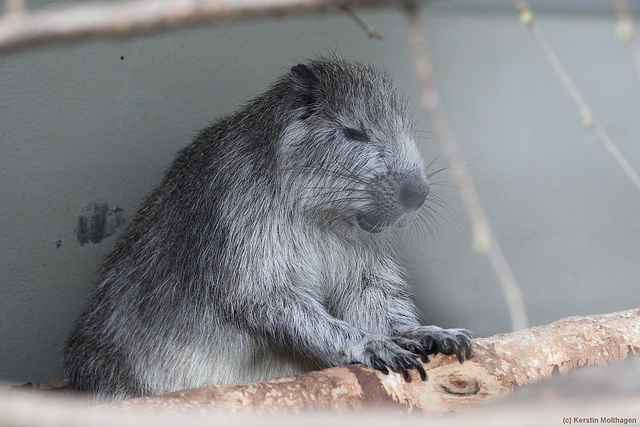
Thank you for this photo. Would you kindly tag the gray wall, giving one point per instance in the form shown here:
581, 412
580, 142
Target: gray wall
103, 119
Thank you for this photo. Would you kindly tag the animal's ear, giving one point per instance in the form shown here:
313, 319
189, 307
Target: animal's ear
304, 75
305, 84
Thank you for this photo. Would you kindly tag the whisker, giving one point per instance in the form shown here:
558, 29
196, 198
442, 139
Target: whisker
429, 175
334, 202
434, 161
439, 201
447, 184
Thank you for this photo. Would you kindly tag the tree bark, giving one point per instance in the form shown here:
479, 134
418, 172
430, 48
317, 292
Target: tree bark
498, 365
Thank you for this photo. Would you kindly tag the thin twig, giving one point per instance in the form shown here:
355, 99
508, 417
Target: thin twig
484, 240
626, 30
371, 32
526, 17
119, 18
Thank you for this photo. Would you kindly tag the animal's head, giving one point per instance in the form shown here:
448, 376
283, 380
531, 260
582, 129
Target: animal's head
350, 153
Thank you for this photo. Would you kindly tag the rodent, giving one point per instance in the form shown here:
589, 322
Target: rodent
265, 250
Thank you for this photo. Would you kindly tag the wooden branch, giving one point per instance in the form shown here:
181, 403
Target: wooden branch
499, 364
20, 27
371, 32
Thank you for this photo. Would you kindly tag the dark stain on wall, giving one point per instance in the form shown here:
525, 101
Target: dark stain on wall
97, 221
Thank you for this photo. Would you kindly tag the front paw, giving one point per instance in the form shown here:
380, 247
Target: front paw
446, 341
388, 353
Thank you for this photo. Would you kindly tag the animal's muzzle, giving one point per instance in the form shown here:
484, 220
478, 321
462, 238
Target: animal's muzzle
391, 198
413, 194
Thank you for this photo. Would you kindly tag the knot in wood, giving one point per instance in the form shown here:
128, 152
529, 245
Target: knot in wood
458, 384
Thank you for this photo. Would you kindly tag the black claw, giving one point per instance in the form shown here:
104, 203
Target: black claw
467, 348
444, 346
402, 367
420, 368
456, 350
422, 352
419, 350
430, 345
465, 342
377, 364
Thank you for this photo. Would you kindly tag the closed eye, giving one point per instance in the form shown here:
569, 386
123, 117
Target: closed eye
355, 135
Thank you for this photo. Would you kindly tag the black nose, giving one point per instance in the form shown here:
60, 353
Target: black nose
413, 194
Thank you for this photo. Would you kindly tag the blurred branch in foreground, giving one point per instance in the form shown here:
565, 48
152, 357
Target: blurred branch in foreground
20, 27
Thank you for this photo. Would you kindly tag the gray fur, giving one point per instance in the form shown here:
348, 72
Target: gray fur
265, 250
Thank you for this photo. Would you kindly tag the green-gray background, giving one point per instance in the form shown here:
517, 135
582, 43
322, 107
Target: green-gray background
102, 119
